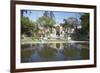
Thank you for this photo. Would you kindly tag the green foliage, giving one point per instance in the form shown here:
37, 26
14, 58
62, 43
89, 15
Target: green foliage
27, 26
82, 33
85, 23
30, 28
65, 24
71, 22
45, 21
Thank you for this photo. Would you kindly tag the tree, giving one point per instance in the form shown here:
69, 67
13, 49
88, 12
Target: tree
24, 11
49, 14
65, 24
45, 21
70, 23
85, 23
27, 26
73, 22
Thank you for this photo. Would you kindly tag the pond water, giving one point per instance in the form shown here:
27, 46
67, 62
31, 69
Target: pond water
43, 52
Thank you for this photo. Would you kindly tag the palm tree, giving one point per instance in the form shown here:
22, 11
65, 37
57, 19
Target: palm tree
45, 13
25, 11
52, 15
49, 14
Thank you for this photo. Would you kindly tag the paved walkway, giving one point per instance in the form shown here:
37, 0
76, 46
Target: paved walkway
58, 41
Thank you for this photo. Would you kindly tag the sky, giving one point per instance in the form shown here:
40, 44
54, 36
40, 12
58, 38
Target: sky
59, 15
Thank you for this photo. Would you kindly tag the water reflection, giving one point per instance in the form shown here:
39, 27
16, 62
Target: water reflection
54, 52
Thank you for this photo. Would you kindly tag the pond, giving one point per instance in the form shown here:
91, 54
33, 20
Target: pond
43, 52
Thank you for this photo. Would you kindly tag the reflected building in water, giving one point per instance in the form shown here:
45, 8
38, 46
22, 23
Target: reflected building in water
55, 52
